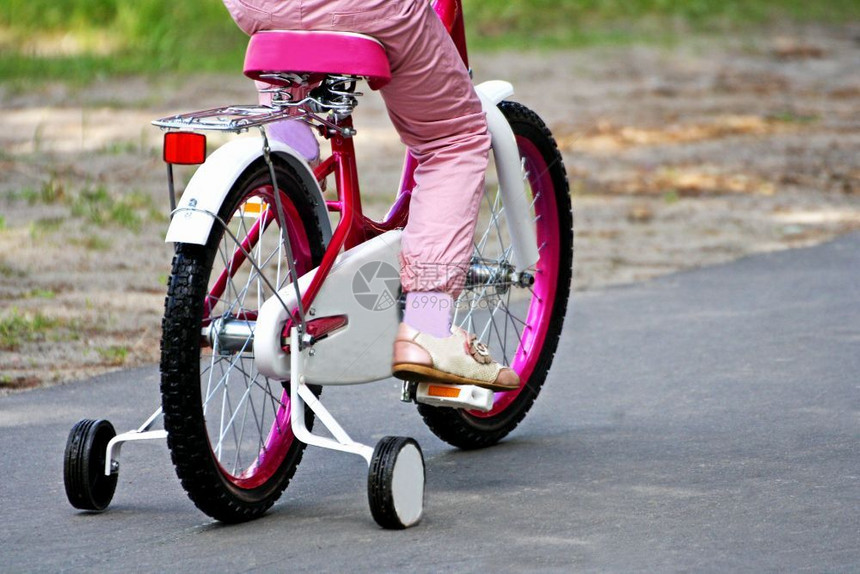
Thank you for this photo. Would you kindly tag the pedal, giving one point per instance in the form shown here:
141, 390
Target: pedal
455, 396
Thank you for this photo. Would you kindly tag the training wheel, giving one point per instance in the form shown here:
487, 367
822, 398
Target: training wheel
87, 487
395, 483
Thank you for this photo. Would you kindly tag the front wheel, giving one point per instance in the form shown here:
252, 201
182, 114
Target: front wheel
228, 426
521, 321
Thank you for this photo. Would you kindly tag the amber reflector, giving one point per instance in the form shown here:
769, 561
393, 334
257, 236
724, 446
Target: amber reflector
437, 391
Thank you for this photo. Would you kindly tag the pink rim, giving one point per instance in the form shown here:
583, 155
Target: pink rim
280, 437
546, 276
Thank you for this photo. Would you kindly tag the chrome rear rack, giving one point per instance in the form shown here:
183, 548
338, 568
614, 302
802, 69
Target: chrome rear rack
237, 118
333, 100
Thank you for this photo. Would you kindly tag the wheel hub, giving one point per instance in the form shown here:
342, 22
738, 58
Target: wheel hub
229, 335
502, 276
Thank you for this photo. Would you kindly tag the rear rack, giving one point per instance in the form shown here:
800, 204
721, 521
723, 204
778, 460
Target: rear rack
237, 118
332, 101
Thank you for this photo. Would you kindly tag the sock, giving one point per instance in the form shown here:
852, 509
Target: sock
430, 312
298, 135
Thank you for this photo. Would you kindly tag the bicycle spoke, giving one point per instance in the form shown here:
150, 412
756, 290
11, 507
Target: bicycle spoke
228, 426
237, 460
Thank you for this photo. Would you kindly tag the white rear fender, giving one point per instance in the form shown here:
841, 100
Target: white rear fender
511, 176
213, 180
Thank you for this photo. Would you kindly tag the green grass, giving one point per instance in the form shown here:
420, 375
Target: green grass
97, 206
92, 242
118, 37
574, 22
39, 294
130, 209
114, 355
17, 328
115, 37
49, 192
10, 272
45, 226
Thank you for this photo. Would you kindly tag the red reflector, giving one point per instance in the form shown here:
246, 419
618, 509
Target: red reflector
184, 148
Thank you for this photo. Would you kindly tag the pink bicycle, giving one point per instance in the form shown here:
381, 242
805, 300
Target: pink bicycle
269, 300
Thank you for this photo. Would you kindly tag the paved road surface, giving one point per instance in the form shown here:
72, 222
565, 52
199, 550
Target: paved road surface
707, 421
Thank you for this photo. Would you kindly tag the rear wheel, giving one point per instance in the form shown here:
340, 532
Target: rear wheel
229, 426
520, 321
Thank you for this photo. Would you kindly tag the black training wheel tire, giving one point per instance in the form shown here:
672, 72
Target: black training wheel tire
87, 487
395, 483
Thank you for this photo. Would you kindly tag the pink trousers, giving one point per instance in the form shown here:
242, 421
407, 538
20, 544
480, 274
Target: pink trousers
434, 108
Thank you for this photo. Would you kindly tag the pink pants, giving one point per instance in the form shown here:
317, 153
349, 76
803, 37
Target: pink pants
434, 107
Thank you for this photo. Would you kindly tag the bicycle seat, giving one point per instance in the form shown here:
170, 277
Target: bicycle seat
317, 52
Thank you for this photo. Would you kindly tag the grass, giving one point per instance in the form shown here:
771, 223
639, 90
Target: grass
125, 147
81, 40
98, 206
17, 328
39, 294
671, 196
578, 22
85, 39
92, 242
8, 271
49, 192
45, 226
93, 204
790, 117
114, 355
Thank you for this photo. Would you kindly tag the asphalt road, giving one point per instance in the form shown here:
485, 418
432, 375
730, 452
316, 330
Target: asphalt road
706, 421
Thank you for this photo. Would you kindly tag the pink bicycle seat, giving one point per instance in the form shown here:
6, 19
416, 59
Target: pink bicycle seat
317, 52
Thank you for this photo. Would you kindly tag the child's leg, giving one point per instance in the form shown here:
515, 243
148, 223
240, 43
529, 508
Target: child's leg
439, 117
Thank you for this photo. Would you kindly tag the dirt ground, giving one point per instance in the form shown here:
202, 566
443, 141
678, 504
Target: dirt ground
679, 157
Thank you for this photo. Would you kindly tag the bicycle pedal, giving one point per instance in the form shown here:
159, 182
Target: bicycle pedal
455, 396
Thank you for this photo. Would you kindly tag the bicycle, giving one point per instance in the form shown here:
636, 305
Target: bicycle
268, 302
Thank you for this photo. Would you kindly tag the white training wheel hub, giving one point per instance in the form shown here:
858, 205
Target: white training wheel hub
395, 483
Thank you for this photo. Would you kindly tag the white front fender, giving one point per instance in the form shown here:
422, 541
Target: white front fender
213, 180
511, 176
494, 91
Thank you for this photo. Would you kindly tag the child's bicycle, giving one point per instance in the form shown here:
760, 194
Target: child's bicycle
267, 302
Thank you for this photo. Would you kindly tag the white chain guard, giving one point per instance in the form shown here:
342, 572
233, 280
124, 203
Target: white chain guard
363, 285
